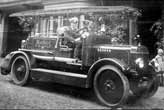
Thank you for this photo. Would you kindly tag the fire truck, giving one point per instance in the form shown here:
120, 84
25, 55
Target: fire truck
111, 61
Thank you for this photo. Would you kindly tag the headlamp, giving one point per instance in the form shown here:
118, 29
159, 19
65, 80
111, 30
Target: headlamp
85, 34
140, 62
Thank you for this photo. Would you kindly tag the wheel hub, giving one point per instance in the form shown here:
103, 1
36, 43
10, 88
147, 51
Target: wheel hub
21, 69
109, 86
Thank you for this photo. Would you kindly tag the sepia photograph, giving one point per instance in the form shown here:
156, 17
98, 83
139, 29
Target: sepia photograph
82, 54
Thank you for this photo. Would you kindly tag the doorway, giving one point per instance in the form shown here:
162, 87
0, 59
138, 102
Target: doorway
15, 35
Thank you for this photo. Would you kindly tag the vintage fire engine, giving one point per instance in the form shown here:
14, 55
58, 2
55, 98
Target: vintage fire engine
110, 60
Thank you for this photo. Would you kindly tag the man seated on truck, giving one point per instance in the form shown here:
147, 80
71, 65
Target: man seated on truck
71, 33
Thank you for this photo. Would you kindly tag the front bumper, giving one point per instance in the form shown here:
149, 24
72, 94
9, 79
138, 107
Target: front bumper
135, 73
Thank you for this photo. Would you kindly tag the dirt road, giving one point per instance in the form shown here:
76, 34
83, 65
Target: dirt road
48, 95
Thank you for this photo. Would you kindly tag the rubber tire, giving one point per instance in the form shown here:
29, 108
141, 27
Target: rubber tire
124, 81
26, 78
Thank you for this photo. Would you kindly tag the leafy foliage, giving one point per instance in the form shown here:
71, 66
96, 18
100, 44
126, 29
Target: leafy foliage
27, 23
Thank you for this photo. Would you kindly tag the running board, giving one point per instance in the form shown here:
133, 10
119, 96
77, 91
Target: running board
59, 59
68, 78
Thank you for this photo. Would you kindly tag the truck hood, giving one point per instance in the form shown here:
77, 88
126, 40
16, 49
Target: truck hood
131, 49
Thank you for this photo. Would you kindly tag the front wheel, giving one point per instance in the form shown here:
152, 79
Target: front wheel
20, 71
111, 86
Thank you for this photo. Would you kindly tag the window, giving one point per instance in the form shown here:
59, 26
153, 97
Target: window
45, 26
55, 24
67, 20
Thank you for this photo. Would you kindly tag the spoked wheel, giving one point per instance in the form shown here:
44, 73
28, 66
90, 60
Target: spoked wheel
111, 86
152, 90
20, 71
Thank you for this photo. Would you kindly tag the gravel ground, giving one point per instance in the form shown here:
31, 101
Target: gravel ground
48, 95
43, 95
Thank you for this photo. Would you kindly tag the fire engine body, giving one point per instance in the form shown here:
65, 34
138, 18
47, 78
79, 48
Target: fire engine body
113, 70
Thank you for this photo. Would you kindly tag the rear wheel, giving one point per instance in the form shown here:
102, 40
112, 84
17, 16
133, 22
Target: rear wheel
20, 71
111, 86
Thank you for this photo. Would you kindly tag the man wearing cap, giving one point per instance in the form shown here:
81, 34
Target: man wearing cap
71, 33
72, 30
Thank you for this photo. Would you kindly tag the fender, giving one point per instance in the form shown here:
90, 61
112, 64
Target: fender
99, 63
28, 56
10, 57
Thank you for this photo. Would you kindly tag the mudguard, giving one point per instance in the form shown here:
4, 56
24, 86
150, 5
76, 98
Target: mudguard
98, 64
5, 65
